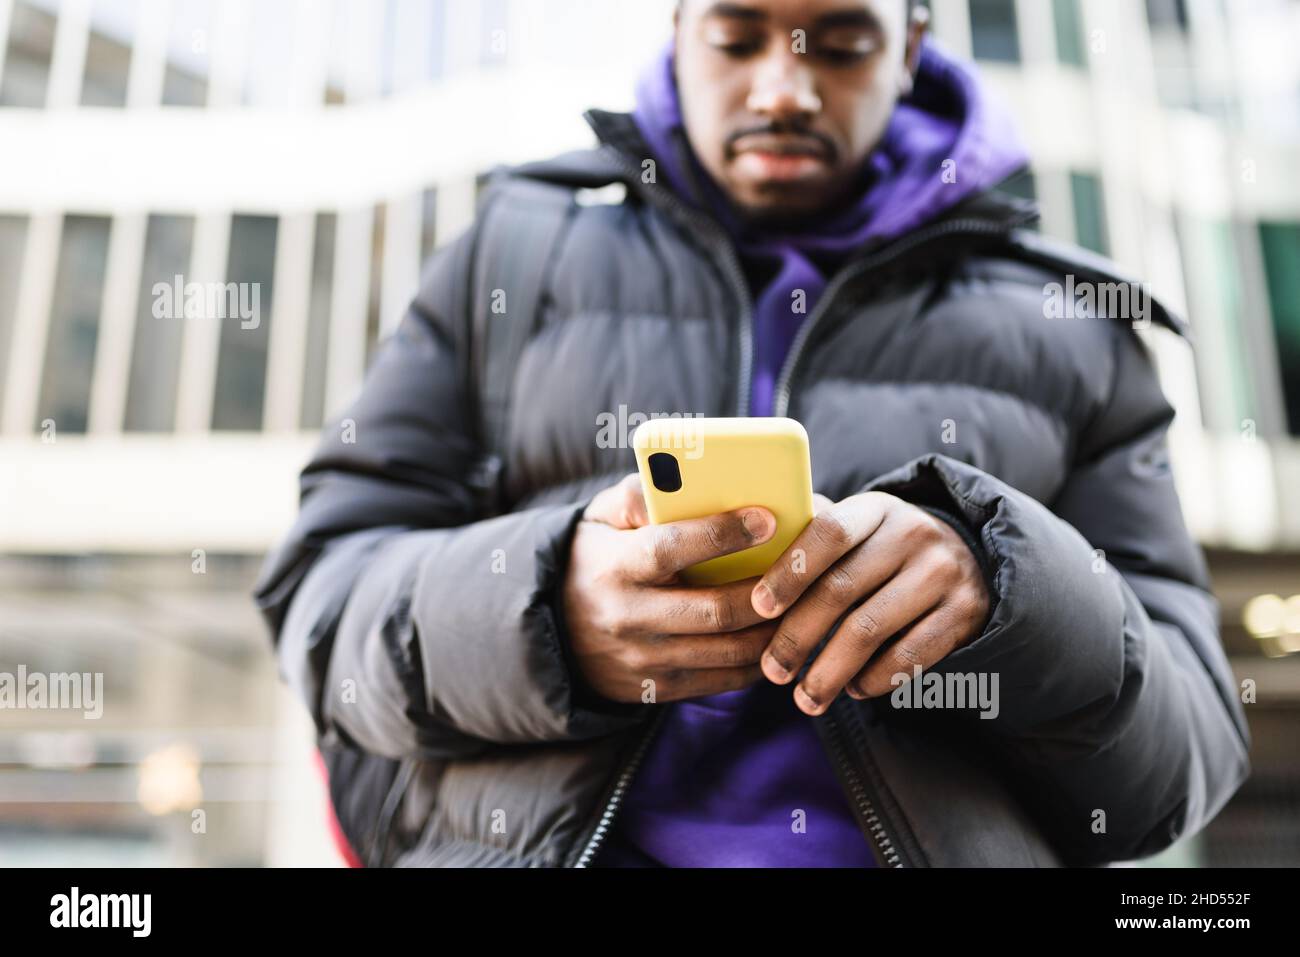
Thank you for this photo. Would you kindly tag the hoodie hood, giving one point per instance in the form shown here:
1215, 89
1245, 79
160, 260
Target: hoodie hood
945, 142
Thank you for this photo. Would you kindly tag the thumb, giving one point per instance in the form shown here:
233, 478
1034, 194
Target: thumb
622, 505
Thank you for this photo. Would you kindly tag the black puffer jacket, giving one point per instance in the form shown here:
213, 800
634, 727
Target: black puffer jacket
421, 629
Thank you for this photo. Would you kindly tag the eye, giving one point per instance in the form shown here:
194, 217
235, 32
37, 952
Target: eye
738, 48
734, 41
845, 49
840, 57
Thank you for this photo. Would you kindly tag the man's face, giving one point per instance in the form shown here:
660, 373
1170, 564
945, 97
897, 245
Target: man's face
784, 99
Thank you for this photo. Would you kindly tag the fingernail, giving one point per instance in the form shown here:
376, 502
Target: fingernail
807, 703
756, 523
764, 602
854, 693
774, 670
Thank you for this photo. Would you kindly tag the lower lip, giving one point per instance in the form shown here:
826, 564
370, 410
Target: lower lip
786, 167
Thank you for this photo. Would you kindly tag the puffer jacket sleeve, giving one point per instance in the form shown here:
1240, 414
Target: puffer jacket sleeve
409, 625
1119, 717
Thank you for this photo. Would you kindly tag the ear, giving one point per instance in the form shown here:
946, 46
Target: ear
918, 25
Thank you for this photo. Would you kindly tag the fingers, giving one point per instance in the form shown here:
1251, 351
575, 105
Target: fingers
897, 604
685, 610
621, 506
836, 590
674, 667
699, 683
830, 534
661, 551
928, 641
738, 649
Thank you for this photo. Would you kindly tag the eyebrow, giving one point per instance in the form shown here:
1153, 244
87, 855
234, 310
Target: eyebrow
856, 17
735, 11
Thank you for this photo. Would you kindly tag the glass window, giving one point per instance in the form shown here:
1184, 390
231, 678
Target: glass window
376, 281
318, 322
1281, 245
1209, 257
183, 89
1069, 32
993, 30
27, 61
13, 241
429, 224
156, 345
1089, 212
108, 65
1167, 14
185, 82
241, 363
74, 323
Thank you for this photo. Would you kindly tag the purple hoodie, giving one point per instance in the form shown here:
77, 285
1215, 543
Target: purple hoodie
741, 779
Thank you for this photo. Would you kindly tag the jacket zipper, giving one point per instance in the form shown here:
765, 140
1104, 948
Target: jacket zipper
600, 829
598, 832
887, 854
859, 791
850, 272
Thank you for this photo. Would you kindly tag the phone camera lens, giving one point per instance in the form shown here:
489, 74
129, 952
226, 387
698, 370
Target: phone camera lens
665, 472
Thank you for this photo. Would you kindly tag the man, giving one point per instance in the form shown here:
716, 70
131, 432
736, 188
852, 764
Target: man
493, 642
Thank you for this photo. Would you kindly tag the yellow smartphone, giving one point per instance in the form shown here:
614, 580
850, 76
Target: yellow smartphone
693, 467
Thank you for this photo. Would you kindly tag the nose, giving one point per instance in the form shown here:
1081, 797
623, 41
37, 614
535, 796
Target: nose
783, 89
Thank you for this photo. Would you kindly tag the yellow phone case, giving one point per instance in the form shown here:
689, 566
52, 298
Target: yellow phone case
726, 464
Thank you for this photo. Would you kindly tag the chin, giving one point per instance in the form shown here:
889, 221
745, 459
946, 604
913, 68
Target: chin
784, 205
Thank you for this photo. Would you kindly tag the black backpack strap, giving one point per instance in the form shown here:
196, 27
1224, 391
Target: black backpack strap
519, 233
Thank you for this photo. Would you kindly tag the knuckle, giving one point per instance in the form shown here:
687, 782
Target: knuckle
718, 534
969, 607
721, 614
832, 530
735, 653
925, 531
612, 619
635, 659
663, 546
785, 649
908, 654
838, 585
955, 569
866, 626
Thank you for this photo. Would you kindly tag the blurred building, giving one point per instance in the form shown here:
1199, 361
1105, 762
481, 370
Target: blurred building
322, 149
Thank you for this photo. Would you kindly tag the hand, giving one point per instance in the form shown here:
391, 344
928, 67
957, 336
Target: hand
631, 619
918, 577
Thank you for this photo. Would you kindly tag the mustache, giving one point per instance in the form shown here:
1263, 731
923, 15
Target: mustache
827, 145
